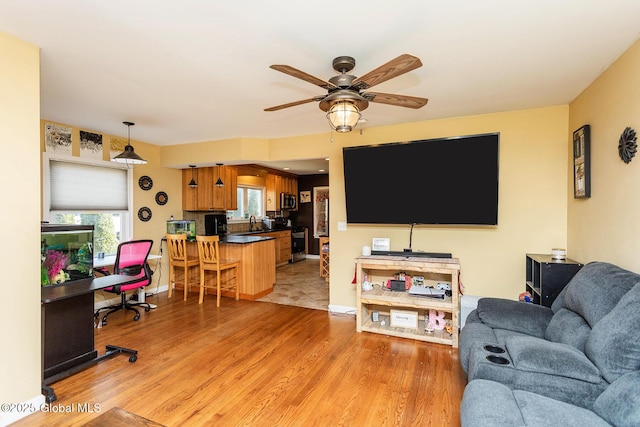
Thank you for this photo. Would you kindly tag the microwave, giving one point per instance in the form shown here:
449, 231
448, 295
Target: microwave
287, 201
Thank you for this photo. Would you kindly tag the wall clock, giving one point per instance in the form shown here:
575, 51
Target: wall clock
627, 146
162, 198
144, 214
145, 182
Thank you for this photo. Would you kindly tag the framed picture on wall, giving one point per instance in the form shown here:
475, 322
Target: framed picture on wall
305, 196
582, 163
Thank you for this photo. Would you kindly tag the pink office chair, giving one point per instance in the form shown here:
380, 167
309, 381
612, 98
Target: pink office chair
131, 260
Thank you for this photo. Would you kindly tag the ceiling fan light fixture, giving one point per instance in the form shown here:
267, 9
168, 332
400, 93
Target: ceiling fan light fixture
343, 116
128, 157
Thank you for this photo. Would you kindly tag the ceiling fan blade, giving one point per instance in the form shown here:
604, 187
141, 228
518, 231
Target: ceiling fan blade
394, 68
397, 100
303, 76
293, 104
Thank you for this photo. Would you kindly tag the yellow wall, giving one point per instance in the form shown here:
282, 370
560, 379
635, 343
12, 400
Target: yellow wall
532, 200
164, 179
606, 227
20, 372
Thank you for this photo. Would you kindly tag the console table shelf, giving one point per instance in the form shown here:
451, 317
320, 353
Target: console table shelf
434, 270
546, 276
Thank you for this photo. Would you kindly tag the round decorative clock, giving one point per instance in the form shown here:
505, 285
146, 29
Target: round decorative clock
162, 198
145, 182
627, 146
144, 214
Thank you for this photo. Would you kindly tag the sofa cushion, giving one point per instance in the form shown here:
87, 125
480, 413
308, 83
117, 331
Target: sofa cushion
537, 355
596, 289
489, 403
613, 345
569, 328
620, 402
514, 315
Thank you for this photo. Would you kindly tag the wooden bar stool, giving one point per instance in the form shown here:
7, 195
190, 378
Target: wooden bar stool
179, 258
209, 252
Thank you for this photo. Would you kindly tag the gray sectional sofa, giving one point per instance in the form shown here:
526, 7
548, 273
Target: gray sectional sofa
580, 358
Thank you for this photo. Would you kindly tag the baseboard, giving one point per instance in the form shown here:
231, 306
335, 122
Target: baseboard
21, 410
341, 309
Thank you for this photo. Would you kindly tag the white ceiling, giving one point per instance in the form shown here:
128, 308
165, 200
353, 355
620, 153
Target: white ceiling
188, 71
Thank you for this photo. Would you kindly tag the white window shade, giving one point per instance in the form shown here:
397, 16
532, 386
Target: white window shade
76, 187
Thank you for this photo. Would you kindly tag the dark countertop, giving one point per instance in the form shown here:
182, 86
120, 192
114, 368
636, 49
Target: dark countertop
258, 232
244, 239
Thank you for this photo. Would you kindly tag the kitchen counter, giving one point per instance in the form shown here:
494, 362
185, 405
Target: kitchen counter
282, 236
257, 264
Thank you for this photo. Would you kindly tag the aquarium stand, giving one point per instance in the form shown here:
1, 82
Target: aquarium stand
68, 330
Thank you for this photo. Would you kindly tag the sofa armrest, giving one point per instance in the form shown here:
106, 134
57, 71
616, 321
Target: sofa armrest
540, 356
517, 316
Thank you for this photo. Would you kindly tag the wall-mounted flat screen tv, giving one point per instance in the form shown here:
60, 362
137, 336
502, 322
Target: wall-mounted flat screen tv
436, 181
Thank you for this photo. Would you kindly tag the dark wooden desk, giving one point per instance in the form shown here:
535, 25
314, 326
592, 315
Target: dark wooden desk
68, 327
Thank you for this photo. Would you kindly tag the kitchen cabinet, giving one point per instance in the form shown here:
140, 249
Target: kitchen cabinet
276, 184
273, 198
282, 245
230, 179
206, 196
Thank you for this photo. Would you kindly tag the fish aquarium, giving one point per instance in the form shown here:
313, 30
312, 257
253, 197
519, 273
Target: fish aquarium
66, 253
183, 226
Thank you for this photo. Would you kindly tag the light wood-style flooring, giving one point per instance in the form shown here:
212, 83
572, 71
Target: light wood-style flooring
260, 364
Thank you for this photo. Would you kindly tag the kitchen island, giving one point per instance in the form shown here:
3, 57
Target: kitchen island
257, 265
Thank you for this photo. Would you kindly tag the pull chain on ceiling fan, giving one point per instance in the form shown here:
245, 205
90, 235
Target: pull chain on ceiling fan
346, 96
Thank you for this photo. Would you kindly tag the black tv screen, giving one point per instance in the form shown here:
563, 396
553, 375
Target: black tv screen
435, 181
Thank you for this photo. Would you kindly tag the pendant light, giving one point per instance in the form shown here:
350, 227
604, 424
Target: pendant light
128, 157
219, 182
192, 183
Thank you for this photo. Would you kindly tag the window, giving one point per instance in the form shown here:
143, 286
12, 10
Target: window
250, 202
76, 192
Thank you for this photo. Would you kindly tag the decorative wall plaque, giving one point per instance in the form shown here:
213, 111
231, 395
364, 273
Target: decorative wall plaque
627, 145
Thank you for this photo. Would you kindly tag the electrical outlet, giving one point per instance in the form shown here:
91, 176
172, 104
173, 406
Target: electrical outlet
342, 226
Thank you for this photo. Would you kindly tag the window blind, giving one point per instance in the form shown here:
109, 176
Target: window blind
77, 187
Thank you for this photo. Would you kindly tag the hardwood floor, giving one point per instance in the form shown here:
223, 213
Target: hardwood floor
262, 364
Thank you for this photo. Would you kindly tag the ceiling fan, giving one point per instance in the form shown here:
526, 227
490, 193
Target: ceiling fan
346, 95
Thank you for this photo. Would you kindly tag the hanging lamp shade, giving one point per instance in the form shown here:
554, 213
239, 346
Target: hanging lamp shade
219, 182
192, 183
128, 157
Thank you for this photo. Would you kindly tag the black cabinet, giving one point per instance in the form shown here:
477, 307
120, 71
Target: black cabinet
547, 276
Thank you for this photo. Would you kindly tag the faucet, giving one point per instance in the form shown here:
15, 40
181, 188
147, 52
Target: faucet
252, 222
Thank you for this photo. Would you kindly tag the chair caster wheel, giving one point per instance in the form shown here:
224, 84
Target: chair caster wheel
104, 322
147, 309
136, 317
133, 358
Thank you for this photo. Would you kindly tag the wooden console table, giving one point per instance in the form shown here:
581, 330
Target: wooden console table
68, 327
378, 269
